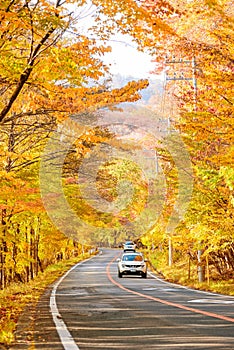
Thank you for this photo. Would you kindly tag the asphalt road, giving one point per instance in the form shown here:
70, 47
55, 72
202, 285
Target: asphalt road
91, 308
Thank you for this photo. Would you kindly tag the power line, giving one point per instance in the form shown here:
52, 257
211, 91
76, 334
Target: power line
181, 75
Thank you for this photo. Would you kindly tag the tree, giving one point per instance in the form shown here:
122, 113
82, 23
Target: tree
49, 71
201, 32
47, 66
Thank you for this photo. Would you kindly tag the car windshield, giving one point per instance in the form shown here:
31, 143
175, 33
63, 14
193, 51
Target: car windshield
132, 257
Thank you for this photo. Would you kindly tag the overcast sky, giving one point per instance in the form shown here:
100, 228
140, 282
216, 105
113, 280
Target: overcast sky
124, 59
127, 60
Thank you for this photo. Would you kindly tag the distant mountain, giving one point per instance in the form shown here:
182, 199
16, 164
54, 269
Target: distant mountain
155, 87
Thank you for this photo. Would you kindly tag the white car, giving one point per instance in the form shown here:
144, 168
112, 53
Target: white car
132, 263
129, 245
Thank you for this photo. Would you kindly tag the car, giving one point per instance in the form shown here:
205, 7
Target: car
132, 263
129, 245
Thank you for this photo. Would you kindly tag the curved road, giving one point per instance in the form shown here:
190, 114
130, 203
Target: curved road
91, 308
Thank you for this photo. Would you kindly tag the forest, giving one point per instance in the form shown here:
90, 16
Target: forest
55, 90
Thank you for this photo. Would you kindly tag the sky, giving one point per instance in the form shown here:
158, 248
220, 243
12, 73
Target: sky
126, 60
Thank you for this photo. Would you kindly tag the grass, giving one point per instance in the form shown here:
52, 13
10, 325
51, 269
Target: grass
14, 298
178, 273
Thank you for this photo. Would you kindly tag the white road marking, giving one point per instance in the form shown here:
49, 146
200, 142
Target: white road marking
184, 287
64, 334
150, 288
70, 294
211, 301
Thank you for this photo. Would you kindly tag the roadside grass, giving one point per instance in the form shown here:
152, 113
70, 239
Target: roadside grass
180, 273
14, 299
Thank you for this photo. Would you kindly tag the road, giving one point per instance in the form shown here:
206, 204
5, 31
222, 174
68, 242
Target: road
91, 308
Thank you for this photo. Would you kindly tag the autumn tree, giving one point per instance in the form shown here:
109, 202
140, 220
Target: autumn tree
49, 70
203, 32
47, 65
200, 33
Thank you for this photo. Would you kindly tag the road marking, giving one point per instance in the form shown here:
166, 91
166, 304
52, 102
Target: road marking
150, 288
64, 334
211, 301
168, 303
183, 287
70, 294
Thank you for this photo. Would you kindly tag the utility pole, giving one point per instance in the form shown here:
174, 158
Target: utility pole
181, 75
156, 162
170, 251
200, 269
194, 83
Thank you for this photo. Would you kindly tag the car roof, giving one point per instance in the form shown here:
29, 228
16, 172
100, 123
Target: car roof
132, 253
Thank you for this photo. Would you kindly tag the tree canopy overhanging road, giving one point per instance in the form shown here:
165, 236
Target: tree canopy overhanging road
89, 159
